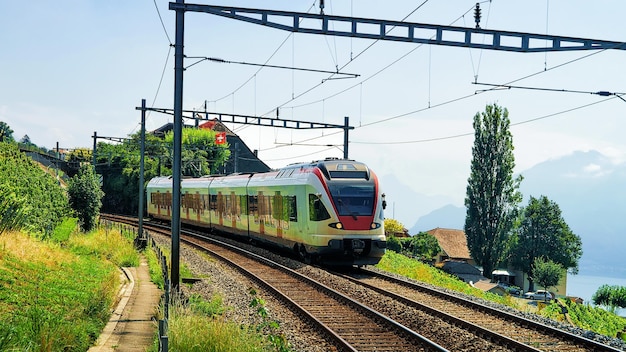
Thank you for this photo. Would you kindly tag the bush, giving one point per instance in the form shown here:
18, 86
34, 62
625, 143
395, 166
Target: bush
85, 197
30, 198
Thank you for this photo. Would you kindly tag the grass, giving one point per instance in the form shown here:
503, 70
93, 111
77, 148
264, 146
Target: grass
584, 316
56, 295
587, 317
197, 324
402, 265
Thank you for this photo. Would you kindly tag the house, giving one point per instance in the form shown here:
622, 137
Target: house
455, 259
463, 271
453, 244
242, 159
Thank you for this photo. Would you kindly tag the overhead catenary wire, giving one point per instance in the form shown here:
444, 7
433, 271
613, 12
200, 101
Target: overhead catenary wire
467, 96
213, 59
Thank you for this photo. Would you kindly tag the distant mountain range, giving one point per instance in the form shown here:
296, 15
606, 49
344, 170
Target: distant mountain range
591, 193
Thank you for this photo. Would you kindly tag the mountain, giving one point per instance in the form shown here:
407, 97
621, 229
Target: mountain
419, 204
590, 191
448, 216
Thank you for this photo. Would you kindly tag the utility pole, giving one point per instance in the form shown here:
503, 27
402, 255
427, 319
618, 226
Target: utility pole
178, 123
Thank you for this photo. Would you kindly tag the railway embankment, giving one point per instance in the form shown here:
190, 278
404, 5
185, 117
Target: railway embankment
57, 294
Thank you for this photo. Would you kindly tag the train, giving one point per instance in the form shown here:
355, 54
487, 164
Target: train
327, 211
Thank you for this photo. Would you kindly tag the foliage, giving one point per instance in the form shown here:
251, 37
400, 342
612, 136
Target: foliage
119, 164
546, 272
610, 296
200, 155
394, 227
31, 199
544, 233
393, 243
267, 326
52, 299
85, 196
422, 246
192, 328
492, 193
583, 316
26, 141
587, 317
414, 269
107, 243
6, 133
12, 209
79, 155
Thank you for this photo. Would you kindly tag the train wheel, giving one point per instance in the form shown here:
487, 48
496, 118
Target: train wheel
303, 255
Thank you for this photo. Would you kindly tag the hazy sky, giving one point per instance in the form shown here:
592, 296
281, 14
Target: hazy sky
70, 68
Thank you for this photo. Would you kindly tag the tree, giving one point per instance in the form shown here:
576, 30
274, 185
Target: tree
393, 227
492, 192
200, 154
610, 296
6, 133
85, 196
544, 233
547, 273
424, 245
26, 140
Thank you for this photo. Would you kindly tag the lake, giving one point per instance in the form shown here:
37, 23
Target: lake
584, 286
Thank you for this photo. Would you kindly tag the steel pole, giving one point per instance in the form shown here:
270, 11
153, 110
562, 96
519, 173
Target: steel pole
141, 167
346, 128
178, 128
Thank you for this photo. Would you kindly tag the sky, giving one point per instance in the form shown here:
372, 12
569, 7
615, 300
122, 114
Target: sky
70, 69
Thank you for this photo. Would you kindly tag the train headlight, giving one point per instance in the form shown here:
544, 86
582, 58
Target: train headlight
374, 225
336, 225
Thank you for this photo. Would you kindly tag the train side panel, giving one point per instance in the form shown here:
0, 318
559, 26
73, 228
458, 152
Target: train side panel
194, 201
276, 209
228, 204
159, 198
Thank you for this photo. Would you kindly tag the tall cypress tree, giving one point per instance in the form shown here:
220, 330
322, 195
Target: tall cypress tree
492, 192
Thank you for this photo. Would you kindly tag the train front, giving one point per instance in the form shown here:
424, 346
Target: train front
351, 209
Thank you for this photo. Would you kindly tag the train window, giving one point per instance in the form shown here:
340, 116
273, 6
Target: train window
291, 208
253, 205
317, 210
349, 174
277, 206
354, 200
213, 202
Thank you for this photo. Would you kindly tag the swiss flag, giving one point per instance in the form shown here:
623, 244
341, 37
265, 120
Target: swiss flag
220, 138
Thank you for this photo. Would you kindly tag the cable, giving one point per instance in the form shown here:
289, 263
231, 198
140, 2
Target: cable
300, 156
156, 94
512, 124
260, 68
162, 24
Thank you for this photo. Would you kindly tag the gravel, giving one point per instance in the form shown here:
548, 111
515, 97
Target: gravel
235, 290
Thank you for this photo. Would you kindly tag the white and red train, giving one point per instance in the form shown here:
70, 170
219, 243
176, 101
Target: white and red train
328, 211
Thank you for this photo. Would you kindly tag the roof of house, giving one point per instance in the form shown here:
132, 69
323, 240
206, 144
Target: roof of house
452, 242
486, 286
463, 271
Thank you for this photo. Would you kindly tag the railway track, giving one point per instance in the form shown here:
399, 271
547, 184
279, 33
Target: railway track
354, 324
511, 330
351, 325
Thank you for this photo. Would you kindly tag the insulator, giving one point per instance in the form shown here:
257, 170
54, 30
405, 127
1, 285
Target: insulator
477, 15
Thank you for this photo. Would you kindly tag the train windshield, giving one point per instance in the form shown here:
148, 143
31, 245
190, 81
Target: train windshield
353, 200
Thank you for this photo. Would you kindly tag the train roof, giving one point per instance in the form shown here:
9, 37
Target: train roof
331, 168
